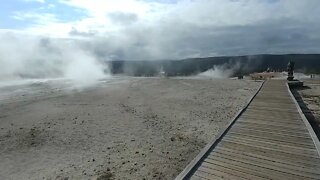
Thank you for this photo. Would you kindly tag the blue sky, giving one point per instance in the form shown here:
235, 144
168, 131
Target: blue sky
9, 9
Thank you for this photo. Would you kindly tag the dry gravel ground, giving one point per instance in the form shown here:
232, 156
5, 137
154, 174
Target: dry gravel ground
311, 97
124, 128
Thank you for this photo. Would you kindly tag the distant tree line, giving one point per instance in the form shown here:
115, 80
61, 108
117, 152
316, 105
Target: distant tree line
242, 65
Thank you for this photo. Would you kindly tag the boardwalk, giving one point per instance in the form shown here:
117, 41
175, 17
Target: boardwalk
270, 139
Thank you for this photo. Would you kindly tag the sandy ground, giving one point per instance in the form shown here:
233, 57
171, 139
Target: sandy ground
124, 128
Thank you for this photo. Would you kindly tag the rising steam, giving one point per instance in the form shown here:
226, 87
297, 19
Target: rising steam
26, 57
221, 71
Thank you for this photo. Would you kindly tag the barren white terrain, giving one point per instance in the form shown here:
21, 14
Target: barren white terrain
122, 128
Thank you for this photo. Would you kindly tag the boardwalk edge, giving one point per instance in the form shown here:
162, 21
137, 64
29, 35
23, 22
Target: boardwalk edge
306, 122
194, 164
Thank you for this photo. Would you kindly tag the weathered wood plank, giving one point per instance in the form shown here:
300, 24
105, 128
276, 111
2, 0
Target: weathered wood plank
251, 169
274, 128
312, 167
228, 172
237, 145
277, 118
267, 132
204, 176
274, 105
208, 169
266, 144
270, 115
296, 142
273, 165
293, 127
197, 177
270, 109
272, 122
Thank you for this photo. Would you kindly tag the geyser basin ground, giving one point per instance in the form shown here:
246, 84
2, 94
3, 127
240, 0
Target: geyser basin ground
127, 128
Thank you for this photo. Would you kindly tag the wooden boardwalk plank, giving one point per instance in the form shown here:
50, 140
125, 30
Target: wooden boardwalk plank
269, 120
273, 167
249, 169
272, 128
254, 113
269, 139
220, 172
270, 124
267, 145
287, 155
273, 164
228, 172
274, 139
267, 132
291, 163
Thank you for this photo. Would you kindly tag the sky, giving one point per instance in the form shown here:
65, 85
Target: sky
160, 29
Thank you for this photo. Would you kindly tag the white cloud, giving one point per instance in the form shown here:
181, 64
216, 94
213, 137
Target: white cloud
40, 1
51, 6
42, 18
101, 7
135, 29
201, 13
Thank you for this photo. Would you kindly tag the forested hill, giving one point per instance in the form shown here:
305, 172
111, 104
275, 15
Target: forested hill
307, 63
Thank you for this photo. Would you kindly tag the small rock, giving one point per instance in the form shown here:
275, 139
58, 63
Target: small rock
62, 178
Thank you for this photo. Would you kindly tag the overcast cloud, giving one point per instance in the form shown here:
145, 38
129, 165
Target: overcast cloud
154, 29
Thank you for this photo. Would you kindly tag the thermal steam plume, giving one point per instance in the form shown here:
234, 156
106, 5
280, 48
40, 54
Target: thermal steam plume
25, 57
221, 71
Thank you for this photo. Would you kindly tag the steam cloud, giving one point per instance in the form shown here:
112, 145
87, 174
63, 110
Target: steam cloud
221, 71
24, 57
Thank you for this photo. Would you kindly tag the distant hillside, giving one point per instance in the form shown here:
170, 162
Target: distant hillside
307, 63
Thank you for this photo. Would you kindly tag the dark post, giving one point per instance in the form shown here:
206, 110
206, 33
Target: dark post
290, 69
